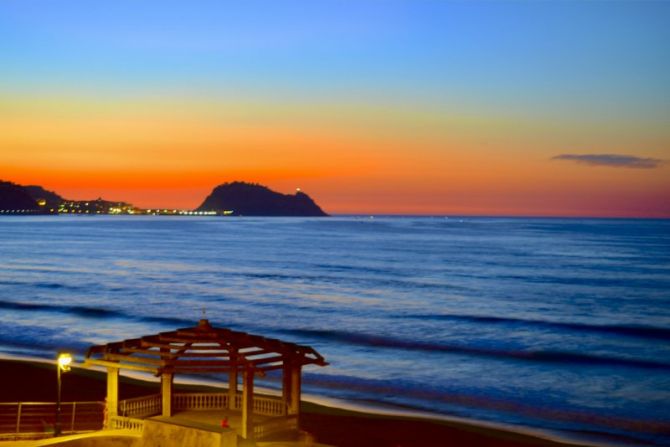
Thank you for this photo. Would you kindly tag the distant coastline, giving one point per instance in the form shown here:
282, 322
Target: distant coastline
228, 199
20, 200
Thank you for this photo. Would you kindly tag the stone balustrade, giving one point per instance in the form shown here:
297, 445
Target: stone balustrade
140, 407
126, 423
145, 406
268, 406
200, 401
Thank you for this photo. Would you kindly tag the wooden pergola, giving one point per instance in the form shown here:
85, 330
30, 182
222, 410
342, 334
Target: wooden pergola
205, 349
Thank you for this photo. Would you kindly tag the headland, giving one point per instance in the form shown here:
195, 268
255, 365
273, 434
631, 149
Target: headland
228, 199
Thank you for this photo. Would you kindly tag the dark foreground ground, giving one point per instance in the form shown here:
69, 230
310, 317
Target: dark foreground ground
36, 382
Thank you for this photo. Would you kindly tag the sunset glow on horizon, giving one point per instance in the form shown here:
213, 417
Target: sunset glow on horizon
467, 108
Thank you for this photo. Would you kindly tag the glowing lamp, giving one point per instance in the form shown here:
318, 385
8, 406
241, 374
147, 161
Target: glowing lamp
64, 361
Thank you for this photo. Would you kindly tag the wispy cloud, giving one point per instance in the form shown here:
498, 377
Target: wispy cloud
611, 160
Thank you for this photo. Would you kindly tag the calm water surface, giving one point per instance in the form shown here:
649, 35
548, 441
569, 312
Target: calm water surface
556, 324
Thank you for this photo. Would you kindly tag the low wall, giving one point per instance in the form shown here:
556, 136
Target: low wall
110, 438
168, 433
98, 441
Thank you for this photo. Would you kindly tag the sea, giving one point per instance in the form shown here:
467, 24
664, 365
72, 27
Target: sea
558, 326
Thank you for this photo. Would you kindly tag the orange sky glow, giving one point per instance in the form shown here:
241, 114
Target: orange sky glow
483, 108
349, 160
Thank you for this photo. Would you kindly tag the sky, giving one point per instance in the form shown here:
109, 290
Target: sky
543, 108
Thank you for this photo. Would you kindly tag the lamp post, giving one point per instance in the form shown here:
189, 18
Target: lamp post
62, 365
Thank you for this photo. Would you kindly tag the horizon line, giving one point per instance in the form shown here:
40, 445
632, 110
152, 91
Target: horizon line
661, 215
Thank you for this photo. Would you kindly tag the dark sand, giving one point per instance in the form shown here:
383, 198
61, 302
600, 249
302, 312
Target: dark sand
36, 382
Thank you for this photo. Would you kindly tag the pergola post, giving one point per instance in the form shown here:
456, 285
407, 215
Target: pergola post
166, 393
296, 372
232, 388
248, 403
286, 387
112, 402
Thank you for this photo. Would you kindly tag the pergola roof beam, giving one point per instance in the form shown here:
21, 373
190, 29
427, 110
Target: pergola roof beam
277, 358
133, 359
202, 354
145, 351
106, 363
179, 363
220, 349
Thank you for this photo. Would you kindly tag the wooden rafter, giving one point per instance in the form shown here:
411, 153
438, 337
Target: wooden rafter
203, 349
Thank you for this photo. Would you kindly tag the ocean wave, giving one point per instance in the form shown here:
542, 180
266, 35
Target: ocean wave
357, 269
92, 312
423, 397
626, 282
371, 281
640, 331
40, 285
45, 341
562, 357
371, 340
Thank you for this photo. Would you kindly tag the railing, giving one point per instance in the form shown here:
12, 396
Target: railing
200, 401
275, 426
125, 423
268, 406
38, 419
140, 407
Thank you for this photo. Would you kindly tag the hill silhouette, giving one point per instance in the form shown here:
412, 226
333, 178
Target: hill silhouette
51, 199
249, 199
236, 198
14, 197
34, 199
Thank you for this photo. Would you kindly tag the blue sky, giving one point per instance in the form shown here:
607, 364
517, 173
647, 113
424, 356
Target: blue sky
596, 50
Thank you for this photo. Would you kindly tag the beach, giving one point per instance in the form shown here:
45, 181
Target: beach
30, 381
